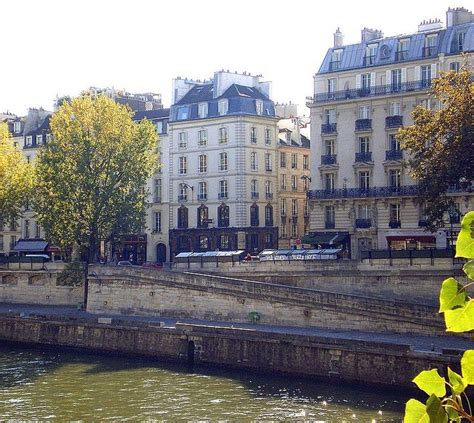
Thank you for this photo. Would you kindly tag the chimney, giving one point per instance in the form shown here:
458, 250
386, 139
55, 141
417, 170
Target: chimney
430, 25
338, 39
458, 15
369, 34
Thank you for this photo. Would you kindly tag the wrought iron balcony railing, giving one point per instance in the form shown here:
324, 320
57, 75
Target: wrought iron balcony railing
368, 60
202, 197
393, 121
365, 156
269, 195
328, 159
182, 198
268, 222
254, 195
394, 155
363, 223
422, 223
334, 65
429, 51
363, 124
328, 128
401, 55
407, 190
394, 224
377, 90
330, 225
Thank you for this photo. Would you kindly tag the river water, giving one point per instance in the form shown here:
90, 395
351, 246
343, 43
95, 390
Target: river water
37, 384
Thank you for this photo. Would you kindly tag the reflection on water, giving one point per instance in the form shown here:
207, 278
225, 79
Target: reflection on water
51, 385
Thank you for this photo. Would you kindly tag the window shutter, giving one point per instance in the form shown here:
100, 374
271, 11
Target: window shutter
417, 73
433, 70
404, 75
358, 81
388, 77
372, 79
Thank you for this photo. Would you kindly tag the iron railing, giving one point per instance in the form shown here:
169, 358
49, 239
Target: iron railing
395, 224
365, 156
407, 190
202, 197
393, 155
363, 223
429, 51
363, 124
328, 159
401, 55
393, 121
328, 128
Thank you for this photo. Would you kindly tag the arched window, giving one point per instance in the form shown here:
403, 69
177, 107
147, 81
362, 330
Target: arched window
254, 215
182, 217
202, 216
223, 215
268, 215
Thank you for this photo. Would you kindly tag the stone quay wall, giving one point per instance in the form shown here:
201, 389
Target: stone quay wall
116, 290
382, 364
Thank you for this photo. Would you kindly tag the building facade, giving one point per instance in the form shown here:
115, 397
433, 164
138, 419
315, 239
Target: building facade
362, 196
222, 164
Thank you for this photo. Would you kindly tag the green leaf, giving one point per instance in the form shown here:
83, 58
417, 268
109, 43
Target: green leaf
467, 366
450, 295
453, 415
415, 412
435, 410
469, 269
465, 241
460, 319
458, 385
431, 382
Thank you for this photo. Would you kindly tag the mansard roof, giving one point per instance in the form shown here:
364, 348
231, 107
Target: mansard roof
152, 114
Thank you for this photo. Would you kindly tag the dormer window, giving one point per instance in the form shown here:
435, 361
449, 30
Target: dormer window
430, 45
223, 107
16, 127
48, 138
182, 113
458, 42
402, 49
28, 141
39, 139
336, 58
259, 106
202, 110
370, 53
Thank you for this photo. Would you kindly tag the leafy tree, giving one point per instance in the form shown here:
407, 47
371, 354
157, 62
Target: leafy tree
91, 177
440, 143
458, 309
16, 178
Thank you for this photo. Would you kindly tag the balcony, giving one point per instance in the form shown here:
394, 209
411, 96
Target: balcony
395, 224
182, 198
329, 225
268, 222
393, 155
368, 60
328, 159
375, 91
254, 195
429, 51
268, 169
202, 197
422, 223
363, 157
401, 55
363, 125
222, 196
363, 223
328, 128
269, 195
373, 192
334, 65
395, 121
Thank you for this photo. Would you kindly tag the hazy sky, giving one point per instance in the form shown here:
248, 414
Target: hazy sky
64, 46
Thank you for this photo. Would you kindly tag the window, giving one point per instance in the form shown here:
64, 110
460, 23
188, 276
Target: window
283, 207
253, 161
294, 183
12, 241
396, 79
223, 189
49, 137
294, 207
202, 138
366, 81
394, 144
395, 109
329, 181
283, 182
459, 41
1, 242
259, 107
268, 162
294, 161
402, 49
203, 242
331, 85
282, 159
253, 135
305, 162
454, 66
224, 242
16, 127
329, 147
335, 60
183, 165
2, 224
254, 215
370, 53
13, 225
202, 216
28, 141
283, 232
223, 216
202, 163
330, 116
305, 183
306, 207
294, 230
395, 178
182, 217
182, 140
268, 189
223, 136
394, 213
157, 221
364, 144
268, 215
223, 107
364, 180
39, 139
254, 188
202, 191
223, 164
182, 113
159, 127
426, 76
26, 229
429, 48
183, 192
330, 217
364, 112
157, 187
269, 240
202, 110
268, 136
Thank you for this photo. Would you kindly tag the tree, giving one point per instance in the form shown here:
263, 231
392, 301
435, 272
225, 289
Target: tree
16, 177
440, 143
91, 177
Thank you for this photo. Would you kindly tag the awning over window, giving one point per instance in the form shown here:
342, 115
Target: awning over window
420, 238
325, 238
31, 246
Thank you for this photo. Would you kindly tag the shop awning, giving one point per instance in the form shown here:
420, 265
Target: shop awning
31, 246
325, 238
417, 238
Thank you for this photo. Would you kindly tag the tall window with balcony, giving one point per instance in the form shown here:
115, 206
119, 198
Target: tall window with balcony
283, 182
157, 190
253, 161
254, 189
223, 216
426, 76
268, 136
223, 163
283, 207
364, 154
394, 152
254, 215
253, 135
282, 159
331, 87
268, 162
394, 216
202, 163
268, 190
396, 80
202, 138
183, 165
223, 107
294, 183
329, 126
394, 179
294, 207
330, 217
401, 52
182, 217
294, 229
182, 140
366, 83
364, 180
329, 181
157, 222
202, 216
202, 191
364, 122
223, 139
268, 215
223, 190
305, 162
394, 118
363, 216
294, 161
329, 156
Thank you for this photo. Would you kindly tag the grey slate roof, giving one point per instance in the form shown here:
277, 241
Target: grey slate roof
152, 114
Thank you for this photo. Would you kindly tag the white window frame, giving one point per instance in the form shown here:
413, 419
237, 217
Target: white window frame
223, 161
259, 107
202, 168
202, 138
253, 161
223, 136
182, 140
157, 221
183, 165
202, 110
268, 136
223, 107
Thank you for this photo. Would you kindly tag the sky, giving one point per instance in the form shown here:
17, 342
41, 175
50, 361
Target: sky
61, 47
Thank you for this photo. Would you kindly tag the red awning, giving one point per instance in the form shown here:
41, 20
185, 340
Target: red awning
421, 238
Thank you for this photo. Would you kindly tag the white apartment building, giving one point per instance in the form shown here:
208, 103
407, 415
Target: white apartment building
222, 164
362, 196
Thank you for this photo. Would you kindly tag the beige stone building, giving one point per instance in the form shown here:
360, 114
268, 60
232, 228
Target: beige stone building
362, 196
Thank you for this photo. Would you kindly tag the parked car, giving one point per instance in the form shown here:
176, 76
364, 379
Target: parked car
124, 263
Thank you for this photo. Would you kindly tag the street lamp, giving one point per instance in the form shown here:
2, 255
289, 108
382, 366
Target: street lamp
191, 187
306, 179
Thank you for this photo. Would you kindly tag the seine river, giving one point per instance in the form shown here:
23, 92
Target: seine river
49, 385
